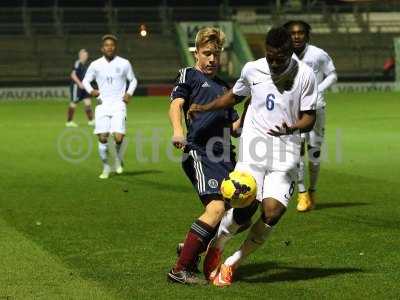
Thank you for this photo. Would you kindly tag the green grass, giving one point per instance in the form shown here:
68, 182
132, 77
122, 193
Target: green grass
67, 235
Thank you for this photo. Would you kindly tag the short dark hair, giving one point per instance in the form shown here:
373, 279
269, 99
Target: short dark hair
304, 24
279, 37
109, 37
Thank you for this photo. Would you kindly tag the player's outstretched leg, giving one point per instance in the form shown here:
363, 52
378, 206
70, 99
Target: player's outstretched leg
70, 115
255, 239
103, 152
196, 242
258, 234
234, 221
226, 230
119, 164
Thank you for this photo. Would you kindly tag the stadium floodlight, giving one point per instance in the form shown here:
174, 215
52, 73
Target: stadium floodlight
143, 30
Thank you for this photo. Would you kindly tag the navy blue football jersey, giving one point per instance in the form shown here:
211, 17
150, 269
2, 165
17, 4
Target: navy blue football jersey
80, 69
195, 87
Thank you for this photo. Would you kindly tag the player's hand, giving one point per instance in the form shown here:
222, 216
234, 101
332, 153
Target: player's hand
193, 110
282, 130
127, 98
179, 141
95, 93
80, 85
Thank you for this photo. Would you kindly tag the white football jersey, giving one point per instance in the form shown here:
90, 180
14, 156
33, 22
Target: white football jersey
322, 65
269, 107
111, 77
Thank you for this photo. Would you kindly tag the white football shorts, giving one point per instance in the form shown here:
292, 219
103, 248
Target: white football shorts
273, 162
110, 119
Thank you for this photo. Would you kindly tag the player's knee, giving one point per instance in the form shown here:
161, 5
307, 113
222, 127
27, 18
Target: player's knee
72, 104
103, 138
215, 210
243, 215
273, 211
119, 138
87, 102
271, 218
219, 213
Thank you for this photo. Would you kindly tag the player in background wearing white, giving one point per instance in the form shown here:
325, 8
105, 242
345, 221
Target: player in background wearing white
326, 76
283, 94
78, 92
111, 73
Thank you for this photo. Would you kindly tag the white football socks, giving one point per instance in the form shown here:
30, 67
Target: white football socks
103, 152
226, 230
256, 237
314, 168
119, 152
118, 155
300, 176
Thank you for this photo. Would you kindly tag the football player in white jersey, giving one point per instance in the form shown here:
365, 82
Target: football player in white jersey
111, 73
283, 94
325, 74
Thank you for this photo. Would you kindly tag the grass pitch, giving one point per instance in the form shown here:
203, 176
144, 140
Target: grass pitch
65, 234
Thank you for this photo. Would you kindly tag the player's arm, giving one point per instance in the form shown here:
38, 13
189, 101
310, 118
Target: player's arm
179, 95
330, 74
175, 117
237, 94
130, 75
305, 123
76, 79
89, 77
328, 81
238, 124
227, 100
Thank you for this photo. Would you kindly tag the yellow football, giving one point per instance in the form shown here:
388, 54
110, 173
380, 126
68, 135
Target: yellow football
240, 189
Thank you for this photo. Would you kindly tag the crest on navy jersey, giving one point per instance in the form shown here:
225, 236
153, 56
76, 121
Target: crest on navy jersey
213, 183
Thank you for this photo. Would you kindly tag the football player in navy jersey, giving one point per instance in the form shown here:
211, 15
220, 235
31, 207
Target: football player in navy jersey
208, 155
78, 92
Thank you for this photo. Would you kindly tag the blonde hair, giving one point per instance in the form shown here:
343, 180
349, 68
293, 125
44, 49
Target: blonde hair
210, 35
